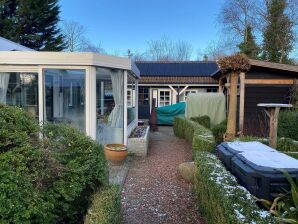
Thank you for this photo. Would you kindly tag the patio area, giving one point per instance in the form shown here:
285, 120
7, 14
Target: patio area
154, 192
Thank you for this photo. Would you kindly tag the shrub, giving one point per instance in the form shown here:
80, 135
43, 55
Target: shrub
24, 178
287, 124
203, 120
200, 137
49, 180
221, 199
219, 131
17, 128
85, 169
105, 207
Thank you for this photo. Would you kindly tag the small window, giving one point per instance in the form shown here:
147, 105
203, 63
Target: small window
189, 92
164, 98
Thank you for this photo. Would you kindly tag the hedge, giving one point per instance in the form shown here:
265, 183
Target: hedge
105, 208
203, 120
17, 128
200, 137
50, 180
219, 130
287, 124
221, 199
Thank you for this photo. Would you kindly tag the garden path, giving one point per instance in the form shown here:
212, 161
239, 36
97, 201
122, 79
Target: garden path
153, 191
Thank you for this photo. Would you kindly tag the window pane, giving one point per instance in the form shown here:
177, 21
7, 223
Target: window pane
109, 105
131, 88
20, 89
65, 96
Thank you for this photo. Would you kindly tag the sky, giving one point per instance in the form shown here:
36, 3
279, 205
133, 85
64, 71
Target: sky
119, 25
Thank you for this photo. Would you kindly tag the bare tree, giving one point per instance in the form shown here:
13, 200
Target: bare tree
216, 50
74, 34
88, 46
161, 50
183, 51
236, 15
165, 49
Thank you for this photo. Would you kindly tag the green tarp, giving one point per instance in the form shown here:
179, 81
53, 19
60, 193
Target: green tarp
165, 115
211, 104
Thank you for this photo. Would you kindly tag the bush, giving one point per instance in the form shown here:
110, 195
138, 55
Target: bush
287, 124
203, 120
221, 199
25, 174
85, 170
105, 207
200, 137
219, 131
17, 128
49, 180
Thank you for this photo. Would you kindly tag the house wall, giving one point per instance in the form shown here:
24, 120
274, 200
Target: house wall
155, 92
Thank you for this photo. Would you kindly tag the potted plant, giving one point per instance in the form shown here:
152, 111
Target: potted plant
115, 153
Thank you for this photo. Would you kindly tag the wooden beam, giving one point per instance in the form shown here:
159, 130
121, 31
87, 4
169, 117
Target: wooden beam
242, 99
174, 90
183, 90
270, 81
231, 126
220, 89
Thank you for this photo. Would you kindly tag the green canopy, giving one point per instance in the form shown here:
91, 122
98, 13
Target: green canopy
165, 115
211, 104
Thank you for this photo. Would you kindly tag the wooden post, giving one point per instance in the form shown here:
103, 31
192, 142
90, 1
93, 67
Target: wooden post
220, 86
273, 113
153, 117
242, 99
231, 126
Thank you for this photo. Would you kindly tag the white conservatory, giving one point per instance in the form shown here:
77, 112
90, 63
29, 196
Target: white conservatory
95, 93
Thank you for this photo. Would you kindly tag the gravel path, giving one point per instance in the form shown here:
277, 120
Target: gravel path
153, 191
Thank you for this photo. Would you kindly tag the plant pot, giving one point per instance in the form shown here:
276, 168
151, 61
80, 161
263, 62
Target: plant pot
115, 155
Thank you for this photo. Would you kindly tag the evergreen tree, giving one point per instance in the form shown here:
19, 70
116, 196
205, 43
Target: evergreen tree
7, 18
249, 45
278, 34
32, 23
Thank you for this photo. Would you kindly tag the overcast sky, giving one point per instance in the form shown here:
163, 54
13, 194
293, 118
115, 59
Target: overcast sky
129, 24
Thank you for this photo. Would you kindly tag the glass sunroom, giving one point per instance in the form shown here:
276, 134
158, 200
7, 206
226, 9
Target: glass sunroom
95, 93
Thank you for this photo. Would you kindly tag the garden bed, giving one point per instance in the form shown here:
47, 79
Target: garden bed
138, 141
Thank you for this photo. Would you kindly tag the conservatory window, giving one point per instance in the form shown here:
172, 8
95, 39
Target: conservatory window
20, 89
109, 105
65, 96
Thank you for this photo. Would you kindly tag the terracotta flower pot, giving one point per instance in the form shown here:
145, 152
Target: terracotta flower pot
115, 153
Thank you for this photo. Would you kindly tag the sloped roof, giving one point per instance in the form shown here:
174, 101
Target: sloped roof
278, 66
177, 68
7, 45
268, 65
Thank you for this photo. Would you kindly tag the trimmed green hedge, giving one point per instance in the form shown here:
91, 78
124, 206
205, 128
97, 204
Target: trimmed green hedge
200, 137
105, 207
287, 124
49, 180
221, 199
219, 131
203, 120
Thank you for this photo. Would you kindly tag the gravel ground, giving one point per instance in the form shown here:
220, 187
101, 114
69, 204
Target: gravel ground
153, 191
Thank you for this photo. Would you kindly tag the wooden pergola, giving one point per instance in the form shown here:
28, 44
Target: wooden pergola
233, 69
238, 77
